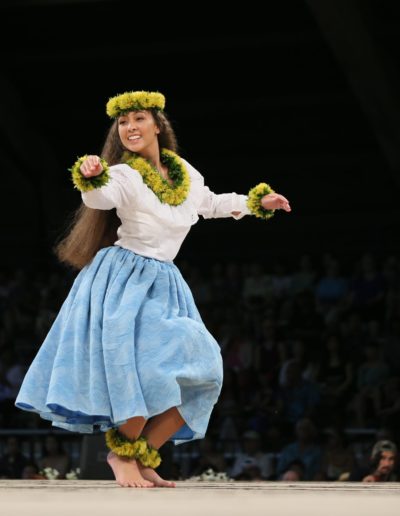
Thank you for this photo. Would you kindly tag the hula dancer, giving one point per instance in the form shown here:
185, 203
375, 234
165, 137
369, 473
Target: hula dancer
128, 353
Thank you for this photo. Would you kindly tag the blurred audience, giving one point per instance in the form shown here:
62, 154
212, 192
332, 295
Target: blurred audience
314, 339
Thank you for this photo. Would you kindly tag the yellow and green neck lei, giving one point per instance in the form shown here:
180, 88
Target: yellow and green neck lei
174, 194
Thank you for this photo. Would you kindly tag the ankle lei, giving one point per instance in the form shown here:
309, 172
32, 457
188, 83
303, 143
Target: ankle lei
138, 449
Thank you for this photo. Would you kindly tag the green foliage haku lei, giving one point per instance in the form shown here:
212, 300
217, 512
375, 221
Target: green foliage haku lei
174, 194
254, 201
132, 448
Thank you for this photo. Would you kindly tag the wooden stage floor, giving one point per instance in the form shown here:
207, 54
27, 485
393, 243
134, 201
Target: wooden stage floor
106, 498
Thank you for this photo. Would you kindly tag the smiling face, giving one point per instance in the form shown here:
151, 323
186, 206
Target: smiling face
386, 463
138, 133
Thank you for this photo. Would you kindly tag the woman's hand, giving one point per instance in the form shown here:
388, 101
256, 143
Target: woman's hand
274, 201
369, 478
91, 166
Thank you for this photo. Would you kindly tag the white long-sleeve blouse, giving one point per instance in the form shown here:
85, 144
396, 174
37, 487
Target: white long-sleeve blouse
152, 228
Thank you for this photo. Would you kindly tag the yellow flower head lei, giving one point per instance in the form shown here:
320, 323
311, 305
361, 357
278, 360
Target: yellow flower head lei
134, 101
132, 448
174, 194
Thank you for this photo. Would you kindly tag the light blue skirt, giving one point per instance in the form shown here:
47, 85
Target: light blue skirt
128, 341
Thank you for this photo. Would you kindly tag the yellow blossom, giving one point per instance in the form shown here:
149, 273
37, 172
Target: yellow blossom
134, 100
254, 201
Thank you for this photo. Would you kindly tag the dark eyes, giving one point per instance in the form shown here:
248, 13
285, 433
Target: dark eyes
124, 121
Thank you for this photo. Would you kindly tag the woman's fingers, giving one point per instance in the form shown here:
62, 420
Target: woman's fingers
284, 204
275, 201
91, 166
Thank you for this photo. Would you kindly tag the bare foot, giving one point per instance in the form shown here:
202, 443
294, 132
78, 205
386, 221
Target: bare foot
127, 472
154, 477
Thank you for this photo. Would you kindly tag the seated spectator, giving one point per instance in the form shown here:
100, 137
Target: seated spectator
297, 397
209, 458
304, 278
370, 375
281, 281
233, 284
266, 353
257, 284
7, 391
305, 449
237, 350
227, 412
13, 461
388, 407
261, 411
251, 458
384, 456
308, 363
252, 472
54, 456
331, 288
335, 377
31, 472
353, 335
337, 457
306, 322
294, 472
367, 289
391, 343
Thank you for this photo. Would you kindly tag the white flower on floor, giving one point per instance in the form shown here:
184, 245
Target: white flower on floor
53, 474
212, 476
49, 473
73, 474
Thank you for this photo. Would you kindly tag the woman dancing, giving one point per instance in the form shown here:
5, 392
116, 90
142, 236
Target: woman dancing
128, 353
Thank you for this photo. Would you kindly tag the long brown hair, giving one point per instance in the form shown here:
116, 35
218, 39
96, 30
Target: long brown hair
89, 229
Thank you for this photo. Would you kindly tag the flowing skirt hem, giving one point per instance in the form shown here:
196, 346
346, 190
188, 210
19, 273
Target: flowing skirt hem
79, 422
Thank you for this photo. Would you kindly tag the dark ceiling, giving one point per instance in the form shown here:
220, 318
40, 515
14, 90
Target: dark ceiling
255, 96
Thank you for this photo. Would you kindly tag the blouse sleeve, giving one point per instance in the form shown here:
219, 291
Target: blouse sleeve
212, 205
120, 190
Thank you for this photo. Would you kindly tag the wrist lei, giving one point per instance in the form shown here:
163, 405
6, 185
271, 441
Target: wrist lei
254, 201
138, 449
84, 184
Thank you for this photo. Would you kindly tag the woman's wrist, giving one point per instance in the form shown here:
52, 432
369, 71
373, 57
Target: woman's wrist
85, 184
254, 201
